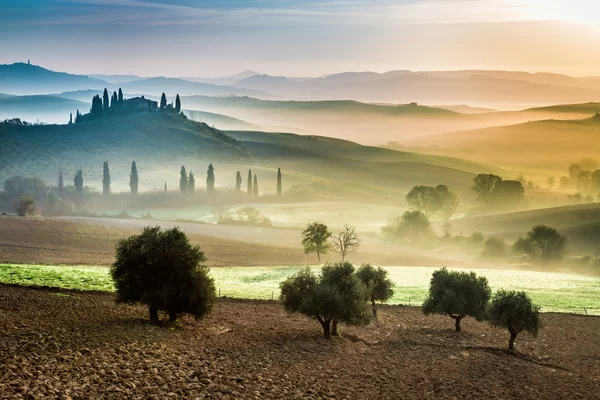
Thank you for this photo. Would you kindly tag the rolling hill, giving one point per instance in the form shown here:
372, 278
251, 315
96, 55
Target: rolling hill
361, 168
495, 89
351, 120
159, 143
219, 121
548, 144
26, 79
156, 86
43, 108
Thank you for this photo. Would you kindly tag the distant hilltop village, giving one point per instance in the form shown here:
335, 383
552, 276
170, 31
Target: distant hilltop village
116, 104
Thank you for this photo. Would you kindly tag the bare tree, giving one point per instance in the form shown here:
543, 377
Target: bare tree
345, 241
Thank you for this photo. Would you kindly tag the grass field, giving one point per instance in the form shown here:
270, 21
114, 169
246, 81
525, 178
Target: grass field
553, 291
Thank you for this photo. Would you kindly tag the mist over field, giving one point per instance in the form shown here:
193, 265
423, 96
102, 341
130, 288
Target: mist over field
299, 199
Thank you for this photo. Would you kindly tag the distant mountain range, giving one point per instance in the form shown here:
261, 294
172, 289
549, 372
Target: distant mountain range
504, 90
27, 79
496, 89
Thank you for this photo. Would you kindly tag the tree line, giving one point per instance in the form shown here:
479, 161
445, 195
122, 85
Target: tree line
147, 270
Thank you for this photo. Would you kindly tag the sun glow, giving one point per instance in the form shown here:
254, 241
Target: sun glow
584, 12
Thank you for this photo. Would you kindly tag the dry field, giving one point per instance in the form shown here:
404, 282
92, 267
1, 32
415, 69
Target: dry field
83, 346
91, 241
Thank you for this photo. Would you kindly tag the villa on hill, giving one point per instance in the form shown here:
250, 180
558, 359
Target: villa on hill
140, 104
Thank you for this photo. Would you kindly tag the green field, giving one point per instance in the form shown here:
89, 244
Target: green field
553, 291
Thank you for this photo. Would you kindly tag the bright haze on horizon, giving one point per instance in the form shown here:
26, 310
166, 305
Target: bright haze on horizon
300, 37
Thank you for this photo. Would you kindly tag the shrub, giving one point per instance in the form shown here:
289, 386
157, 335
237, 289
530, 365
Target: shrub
413, 225
457, 294
494, 247
515, 311
542, 242
164, 271
336, 295
477, 237
379, 286
26, 207
53, 203
19, 186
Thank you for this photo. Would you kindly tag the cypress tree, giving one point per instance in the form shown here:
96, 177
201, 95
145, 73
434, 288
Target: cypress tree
120, 98
177, 104
70, 118
134, 179
210, 179
163, 102
78, 181
183, 182
113, 101
165, 187
249, 184
105, 100
238, 182
77, 117
255, 187
61, 183
278, 181
191, 183
106, 179
96, 106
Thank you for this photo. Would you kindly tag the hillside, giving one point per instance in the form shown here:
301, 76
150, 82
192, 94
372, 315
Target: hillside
350, 120
23, 79
549, 144
159, 143
156, 86
219, 121
45, 108
365, 170
495, 89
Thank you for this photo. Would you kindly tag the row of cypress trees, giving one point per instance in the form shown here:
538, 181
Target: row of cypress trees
187, 182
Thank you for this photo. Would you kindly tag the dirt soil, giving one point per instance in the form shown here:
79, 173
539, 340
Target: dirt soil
83, 346
91, 241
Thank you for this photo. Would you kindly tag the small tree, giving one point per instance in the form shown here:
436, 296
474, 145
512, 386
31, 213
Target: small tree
494, 247
345, 241
210, 179
484, 184
516, 312
543, 242
78, 181
61, 182
164, 271
134, 179
238, 182
412, 224
379, 286
315, 239
183, 180
457, 294
177, 104
105, 179
191, 183
163, 101
105, 103
279, 185
249, 184
336, 295
255, 187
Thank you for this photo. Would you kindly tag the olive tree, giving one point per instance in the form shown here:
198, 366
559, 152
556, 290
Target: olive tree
336, 295
542, 242
345, 241
315, 239
431, 200
516, 312
457, 294
379, 286
164, 271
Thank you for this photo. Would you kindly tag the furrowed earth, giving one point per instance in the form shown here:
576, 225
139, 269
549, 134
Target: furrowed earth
61, 344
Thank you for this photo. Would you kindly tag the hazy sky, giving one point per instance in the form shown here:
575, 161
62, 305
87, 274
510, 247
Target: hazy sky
300, 37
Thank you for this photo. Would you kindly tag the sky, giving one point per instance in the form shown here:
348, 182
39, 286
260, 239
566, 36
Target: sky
206, 38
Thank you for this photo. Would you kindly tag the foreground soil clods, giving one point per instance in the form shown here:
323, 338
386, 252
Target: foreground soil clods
84, 346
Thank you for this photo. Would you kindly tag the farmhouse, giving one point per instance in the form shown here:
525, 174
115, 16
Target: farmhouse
140, 104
